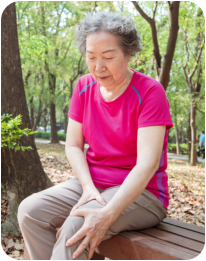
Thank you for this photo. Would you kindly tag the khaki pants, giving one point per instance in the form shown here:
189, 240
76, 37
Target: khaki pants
41, 213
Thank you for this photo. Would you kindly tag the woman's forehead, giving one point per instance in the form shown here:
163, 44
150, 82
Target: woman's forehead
101, 40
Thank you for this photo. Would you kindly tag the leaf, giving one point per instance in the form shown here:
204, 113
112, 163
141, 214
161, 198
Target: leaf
185, 209
18, 246
192, 212
9, 243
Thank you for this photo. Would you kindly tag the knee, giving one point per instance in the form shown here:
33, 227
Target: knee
26, 208
70, 227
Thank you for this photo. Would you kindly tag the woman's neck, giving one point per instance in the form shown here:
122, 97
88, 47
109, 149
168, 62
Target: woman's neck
110, 94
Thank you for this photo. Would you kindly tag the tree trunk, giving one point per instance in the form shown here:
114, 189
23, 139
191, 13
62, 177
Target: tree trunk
171, 44
22, 171
39, 114
65, 113
193, 135
176, 134
52, 85
177, 140
45, 119
189, 138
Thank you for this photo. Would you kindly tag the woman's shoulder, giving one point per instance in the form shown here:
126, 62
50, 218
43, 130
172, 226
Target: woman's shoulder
146, 84
146, 80
83, 83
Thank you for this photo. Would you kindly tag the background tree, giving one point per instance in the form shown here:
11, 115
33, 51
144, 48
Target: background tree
163, 71
194, 41
22, 172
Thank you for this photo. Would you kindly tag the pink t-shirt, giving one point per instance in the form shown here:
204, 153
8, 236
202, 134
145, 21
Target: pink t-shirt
110, 129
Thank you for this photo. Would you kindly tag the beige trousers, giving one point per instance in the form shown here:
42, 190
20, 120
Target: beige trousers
41, 213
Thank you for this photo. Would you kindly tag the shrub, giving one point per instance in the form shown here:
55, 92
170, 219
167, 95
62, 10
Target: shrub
171, 147
10, 132
47, 135
183, 148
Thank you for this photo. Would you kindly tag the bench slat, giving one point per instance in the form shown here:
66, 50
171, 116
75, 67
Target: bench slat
120, 248
185, 225
181, 232
126, 246
172, 238
175, 247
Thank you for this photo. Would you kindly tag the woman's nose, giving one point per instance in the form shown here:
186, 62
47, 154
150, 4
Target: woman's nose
100, 66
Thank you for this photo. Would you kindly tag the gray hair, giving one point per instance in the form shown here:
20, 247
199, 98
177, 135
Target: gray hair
114, 23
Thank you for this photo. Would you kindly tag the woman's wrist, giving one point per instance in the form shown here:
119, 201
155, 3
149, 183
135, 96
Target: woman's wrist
88, 186
110, 213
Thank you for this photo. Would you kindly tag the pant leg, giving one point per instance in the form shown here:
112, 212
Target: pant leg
41, 213
145, 212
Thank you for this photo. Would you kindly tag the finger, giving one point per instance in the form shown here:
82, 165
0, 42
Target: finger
76, 237
101, 200
74, 208
81, 247
91, 249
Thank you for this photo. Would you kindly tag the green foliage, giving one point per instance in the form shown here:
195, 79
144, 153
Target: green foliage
10, 132
46, 35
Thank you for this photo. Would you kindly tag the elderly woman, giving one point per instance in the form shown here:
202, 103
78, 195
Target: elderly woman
121, 184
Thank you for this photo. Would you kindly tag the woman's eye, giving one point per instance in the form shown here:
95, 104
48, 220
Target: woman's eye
109, 58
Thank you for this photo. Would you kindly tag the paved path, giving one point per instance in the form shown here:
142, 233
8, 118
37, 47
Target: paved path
169, 156
181, 157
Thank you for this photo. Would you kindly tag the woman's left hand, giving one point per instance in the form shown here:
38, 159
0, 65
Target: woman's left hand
96, 224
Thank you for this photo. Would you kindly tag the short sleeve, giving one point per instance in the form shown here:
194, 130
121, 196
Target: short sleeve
155, 109
75, 109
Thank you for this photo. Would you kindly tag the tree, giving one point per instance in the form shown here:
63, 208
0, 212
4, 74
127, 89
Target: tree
163, 71
22, 172
194, 85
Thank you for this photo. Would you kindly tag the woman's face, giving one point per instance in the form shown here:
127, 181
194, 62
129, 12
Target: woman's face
106, 60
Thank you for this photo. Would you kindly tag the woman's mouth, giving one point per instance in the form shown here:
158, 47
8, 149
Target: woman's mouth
103, 78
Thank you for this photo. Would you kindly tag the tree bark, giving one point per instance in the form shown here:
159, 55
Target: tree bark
171, 43
22, 171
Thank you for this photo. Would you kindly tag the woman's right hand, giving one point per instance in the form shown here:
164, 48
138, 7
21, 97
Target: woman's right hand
88, 195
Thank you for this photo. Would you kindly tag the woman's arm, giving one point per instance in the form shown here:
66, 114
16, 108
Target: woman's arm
149, 149
74, 149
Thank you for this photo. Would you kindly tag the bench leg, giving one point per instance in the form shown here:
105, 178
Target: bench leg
97, 257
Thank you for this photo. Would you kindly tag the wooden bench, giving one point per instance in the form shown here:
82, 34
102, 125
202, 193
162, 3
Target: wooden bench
170, 240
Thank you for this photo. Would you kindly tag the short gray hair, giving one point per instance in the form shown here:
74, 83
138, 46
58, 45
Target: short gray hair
114, 23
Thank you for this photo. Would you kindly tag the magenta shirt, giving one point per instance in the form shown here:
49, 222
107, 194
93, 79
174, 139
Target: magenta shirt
110, 129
